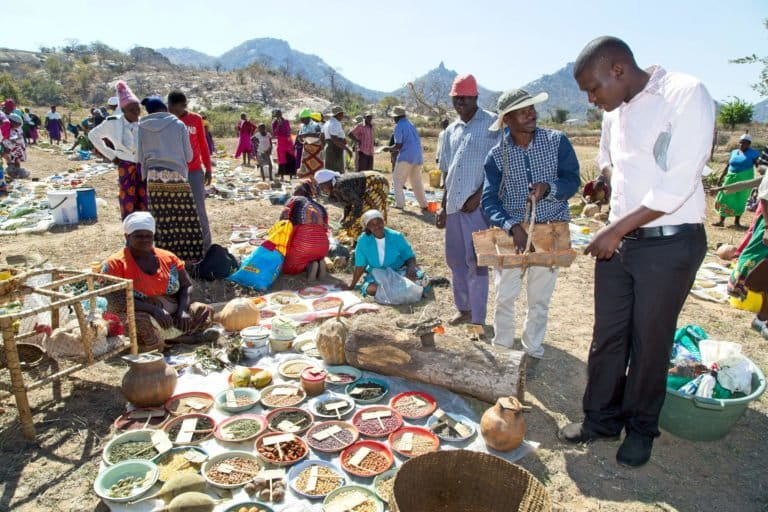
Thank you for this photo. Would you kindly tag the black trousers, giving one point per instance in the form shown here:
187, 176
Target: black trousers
639, 293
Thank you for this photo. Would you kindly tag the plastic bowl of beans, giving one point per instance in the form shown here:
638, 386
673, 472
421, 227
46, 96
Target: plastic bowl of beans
366, 459
290, 420
414, 405
244, 399
280, 449
413, 441
332, 436
282, 395
201, 431
367, 498
233, 469
377, 421
242, 427
327, 478
367, 391
331, 405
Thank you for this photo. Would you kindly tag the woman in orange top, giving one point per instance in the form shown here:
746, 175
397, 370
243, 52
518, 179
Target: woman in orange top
161, 289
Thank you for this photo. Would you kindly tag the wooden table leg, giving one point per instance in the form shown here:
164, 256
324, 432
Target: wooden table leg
17, 379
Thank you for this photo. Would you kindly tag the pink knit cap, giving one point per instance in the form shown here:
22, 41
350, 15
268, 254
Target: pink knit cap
464, 85
125, 94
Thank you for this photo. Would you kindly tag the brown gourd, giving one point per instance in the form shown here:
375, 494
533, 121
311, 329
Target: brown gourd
190, 502
503, 426
176, 486
330, 339
238, 314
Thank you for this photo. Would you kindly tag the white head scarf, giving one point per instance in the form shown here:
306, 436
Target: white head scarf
326, 175
369, 216
138, 221
747, 137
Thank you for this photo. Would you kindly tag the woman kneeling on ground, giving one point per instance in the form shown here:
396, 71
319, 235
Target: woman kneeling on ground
382, 247
309, 243
161, 288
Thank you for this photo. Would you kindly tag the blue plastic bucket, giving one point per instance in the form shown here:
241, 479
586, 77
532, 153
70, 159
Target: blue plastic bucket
86, 204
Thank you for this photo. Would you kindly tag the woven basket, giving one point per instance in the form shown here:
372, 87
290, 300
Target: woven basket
551, 243
467, 481
30, 355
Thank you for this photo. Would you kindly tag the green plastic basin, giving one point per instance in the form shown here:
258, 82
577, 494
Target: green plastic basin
706, 419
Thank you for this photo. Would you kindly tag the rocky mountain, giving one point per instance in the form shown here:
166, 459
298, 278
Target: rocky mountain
274, 54
563, 93
760, 113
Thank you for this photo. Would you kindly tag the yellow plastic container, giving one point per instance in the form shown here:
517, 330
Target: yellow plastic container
752, 303
435, 177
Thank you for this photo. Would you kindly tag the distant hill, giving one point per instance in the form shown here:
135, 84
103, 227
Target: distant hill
760, 113
273, 54
563, 93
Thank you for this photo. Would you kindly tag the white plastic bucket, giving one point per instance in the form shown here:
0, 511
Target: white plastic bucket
63, 206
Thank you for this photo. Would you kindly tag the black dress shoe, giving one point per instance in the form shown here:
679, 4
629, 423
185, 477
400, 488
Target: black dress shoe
576, 433
635, 450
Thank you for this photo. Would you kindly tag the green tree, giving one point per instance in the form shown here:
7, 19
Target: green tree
761, 86
560, 115
387, 102
8, 87
735, 112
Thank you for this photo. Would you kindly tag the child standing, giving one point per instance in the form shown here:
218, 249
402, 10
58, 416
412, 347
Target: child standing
263, 150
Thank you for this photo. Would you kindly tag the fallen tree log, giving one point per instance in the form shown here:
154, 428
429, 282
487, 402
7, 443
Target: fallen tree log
465, 366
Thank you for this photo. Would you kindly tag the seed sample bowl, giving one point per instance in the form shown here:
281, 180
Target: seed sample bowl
449, 434
189, 403
413, 441
292, 368
280, 449
230, 470
414, 405
342, 375
290, 420
126, 481
354, 492
329, 405
368, 390
174, 462
202, 431
282, 395
141, 418
245, 398
384, 484
240, 428
327, 479
377, 421
367, 459
332, 436
249, 506
132, 445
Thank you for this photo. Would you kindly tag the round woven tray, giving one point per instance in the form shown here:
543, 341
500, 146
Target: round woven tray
30, 355
466, 481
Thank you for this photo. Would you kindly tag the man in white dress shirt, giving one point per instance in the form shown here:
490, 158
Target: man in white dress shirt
656, 137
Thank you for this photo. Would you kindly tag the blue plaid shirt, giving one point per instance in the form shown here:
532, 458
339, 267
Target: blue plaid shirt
462, 156
549, 158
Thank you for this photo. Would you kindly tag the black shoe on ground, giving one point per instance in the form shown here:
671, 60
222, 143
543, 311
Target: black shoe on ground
576, 433
635, 450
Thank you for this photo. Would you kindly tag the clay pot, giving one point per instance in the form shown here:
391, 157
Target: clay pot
503, 425
149, 382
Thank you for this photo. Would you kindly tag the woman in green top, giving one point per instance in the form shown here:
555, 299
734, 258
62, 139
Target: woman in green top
740, 167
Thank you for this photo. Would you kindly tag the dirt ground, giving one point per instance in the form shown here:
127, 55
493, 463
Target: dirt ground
729, 475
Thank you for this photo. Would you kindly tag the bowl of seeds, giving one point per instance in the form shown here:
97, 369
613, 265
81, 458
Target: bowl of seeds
134, 444
280, 449
413, 441
331, 405
292, 368
282, 395
126, 481
315, 479
231, 469
377, 421
242, 427
237, 399
290, 420
342, 375
249, 506
384, 484
367, 459
414, 405
352, 498
190, 429
332, 436
188, 403
181, 459
141, 418
451, 428
368, 390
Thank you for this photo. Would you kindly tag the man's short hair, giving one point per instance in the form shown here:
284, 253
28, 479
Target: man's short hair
176, 97
605, 46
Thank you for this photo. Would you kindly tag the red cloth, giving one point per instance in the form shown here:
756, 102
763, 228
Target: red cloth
122, 264
309, 242
201, 153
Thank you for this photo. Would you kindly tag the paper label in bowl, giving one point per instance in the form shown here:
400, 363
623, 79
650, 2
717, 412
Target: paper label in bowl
376, 414
359, 455
160, 441
324, 434
284, 391
284, 438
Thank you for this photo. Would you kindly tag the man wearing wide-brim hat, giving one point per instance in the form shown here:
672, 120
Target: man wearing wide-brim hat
530, 165
335, 140
410, 158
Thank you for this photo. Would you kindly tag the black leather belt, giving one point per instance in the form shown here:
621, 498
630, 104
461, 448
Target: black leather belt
660, 231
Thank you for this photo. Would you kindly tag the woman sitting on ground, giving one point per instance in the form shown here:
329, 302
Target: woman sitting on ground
161, 289
358, 192
309, 244
382, 247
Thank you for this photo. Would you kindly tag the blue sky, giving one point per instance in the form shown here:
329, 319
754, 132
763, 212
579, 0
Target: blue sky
382, 45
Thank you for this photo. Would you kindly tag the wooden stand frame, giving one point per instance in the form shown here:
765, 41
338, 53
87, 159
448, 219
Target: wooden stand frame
59, 278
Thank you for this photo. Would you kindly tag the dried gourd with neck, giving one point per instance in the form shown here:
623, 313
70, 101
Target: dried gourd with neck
238, 314
503, 425
331, 337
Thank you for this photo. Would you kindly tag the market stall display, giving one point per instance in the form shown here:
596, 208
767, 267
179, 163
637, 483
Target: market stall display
367, 391
366, 458
240, 428
377, 421
332, 436
290, 420
315, 479
190, 428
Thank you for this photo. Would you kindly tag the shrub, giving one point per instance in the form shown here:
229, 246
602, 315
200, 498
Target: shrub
735, 112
